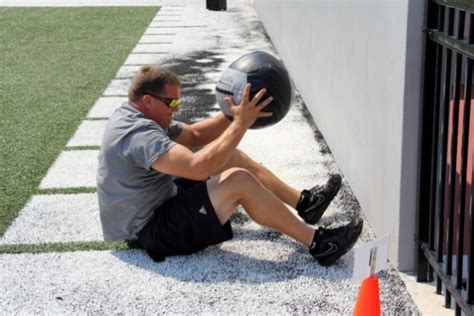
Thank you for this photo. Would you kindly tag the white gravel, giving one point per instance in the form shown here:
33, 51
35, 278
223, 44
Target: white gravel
280, 281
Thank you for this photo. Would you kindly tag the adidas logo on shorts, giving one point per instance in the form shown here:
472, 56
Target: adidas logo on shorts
202, 210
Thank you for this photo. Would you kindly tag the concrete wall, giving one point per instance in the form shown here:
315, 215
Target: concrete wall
357, 65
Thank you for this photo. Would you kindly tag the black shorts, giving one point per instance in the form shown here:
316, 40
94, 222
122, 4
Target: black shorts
184, 224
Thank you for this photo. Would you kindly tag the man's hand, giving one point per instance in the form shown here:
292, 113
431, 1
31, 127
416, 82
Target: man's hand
182, 162
248, 111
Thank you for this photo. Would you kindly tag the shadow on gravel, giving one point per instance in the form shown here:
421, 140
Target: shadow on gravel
217, 265
197, 91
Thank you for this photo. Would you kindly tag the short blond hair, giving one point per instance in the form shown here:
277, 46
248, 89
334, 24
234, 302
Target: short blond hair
151, 79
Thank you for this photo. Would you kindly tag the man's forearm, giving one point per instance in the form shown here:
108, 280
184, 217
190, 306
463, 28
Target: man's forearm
209, 129
212, 157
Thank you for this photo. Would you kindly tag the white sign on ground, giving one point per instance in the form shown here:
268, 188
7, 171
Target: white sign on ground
363, 254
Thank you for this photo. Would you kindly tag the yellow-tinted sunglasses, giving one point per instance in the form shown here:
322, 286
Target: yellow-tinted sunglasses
170, 102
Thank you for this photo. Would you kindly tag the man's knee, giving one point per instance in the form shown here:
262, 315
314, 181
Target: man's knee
240, 177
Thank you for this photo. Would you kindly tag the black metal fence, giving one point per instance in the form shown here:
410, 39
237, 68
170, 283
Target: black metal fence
445, 223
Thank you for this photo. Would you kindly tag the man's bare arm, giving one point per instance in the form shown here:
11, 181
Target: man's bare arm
203, 132
182, 162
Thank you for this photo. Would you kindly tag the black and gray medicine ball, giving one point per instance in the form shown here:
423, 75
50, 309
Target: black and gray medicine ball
261, 70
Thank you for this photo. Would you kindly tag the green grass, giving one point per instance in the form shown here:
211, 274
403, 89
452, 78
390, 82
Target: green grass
67, 190
67, 247
54, 64
82, 148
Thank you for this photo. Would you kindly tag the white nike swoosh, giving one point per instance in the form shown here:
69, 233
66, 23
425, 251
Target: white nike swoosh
332, 249
320, 200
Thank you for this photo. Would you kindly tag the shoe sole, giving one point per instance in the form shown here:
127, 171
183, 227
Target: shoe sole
354, 234
317, 216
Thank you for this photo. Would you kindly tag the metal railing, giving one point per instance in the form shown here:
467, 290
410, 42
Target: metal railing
445, 224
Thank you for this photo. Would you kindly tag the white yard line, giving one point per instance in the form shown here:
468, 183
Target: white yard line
56, 218
72, 169
105, 106
89, 133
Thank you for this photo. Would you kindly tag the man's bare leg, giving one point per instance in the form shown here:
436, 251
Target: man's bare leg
237, 186
283, 191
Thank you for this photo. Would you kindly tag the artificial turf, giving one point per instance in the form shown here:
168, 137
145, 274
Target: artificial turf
54, 64
67, 247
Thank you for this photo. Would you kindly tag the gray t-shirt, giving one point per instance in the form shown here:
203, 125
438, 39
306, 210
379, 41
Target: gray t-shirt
128, 188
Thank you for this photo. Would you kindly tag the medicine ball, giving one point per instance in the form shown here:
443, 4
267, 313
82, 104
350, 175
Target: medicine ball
261, 70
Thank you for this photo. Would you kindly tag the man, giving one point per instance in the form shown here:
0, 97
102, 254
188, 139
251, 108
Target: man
154, 188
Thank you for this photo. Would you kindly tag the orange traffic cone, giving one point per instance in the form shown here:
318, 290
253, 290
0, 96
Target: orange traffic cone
368, 302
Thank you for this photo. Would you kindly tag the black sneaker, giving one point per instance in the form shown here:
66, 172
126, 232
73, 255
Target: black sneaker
319, 199
331, 244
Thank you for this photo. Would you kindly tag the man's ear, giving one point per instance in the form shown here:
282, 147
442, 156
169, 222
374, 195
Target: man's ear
146, 101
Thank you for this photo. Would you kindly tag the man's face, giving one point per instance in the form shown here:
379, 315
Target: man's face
158, 110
